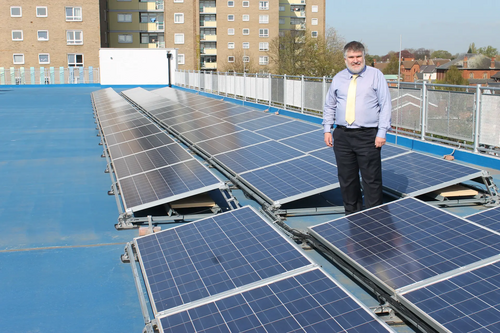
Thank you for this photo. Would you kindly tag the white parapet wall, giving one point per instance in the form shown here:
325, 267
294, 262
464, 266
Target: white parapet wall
136, 66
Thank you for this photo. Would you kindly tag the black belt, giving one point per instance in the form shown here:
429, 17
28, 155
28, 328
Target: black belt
356, 129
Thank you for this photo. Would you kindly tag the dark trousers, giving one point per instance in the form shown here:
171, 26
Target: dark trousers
355, 152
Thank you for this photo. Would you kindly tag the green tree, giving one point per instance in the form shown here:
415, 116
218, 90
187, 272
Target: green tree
472, 48
488, 51
441, 54
453, 76
393, 66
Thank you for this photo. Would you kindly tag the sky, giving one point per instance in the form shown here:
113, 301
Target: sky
436, 25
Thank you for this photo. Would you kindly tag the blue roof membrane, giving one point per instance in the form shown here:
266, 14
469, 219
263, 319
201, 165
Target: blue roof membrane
59, 250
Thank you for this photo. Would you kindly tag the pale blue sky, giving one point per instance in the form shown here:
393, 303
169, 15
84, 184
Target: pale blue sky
437, 25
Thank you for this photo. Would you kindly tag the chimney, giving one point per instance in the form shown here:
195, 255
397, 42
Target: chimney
492, 66
465, 62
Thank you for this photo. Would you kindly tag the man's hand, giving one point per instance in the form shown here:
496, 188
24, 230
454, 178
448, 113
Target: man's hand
379, 142
328, 139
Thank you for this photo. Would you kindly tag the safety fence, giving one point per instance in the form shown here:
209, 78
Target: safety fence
48, 75
464, 116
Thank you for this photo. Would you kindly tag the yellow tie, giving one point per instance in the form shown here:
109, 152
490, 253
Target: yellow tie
350, 109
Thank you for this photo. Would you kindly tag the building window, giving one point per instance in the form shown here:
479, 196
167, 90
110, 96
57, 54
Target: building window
263, 60
230, 3
230, 59
74, 37
246, 45
17, 35
246, 4
264, 19
314, 34
264, 46
246, 31
43, 35
18, 59
124, 18
230, 31
314, 21
75, 60
282, 21
245, 18
179, 39
314, 8
125, 39
150, 38
230, 45
41, 11
246, 59
264, 5
16, 12
485, 75
471, 75
73, 13
263, 32
230, 17
282, 8
179, 18
178, 0
180, 59
43, 58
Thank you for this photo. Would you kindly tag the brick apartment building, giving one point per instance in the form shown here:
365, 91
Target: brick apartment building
472, 66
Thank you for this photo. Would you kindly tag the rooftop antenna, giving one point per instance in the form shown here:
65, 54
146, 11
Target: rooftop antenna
399, 79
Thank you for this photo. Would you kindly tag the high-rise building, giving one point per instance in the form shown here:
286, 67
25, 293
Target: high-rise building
52, 33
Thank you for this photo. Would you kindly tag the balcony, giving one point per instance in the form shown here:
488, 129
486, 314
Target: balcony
157, 45
208, 65
208, 10
206, 51
152, 26
300, 26
151, 6
297, 2
208, 24
208, 38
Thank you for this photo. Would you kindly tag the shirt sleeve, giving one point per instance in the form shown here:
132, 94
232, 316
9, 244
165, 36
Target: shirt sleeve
329, 109
385, 103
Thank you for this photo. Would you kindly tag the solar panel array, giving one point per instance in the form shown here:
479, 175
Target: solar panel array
247, 143
489, 218
150, 167
408, 245
235, 272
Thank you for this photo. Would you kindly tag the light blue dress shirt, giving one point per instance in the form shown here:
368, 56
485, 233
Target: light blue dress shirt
373, 101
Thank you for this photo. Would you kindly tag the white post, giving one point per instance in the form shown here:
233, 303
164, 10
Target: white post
303, 93
477, 115
284, 92
424, 111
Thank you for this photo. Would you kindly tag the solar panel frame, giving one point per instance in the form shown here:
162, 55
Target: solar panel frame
308, 301
230, 142
489, 218
288, 129
212, 256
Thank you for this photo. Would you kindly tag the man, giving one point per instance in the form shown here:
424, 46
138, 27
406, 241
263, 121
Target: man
362, 122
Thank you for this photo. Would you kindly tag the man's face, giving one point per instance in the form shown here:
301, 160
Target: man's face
355, 61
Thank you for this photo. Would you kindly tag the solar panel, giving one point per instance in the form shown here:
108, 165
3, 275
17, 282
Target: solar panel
288, 181
489, 218
131, 134
233, 111
287, 130
407, 241
264, 122
413, 174
306, 142
468, 302
230, 142
257, 156
141, 144
213, 255
308, 302
167, 184
246, 117
196, 123
211, 132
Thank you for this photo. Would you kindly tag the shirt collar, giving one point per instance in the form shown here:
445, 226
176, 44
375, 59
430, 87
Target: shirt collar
360, 73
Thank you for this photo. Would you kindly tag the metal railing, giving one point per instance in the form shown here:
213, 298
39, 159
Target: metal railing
461, 116
48, 75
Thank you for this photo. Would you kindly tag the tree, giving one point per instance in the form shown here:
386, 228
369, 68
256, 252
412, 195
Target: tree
239, 65
422, 54
453, 76
441, 54
393, 66
488, 51
472, 48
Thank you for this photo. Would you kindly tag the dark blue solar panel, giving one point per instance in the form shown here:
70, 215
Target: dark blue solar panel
167, 184
210, 132
306, 142
246, 117
413, 173
181, 117
230, 142
309, 302
195, 124
131, 134
325, 154
469, 302
287, 130
389, 150
408, 241
489, 218
233, 111
257, 156
123, 126
292, 178
264, 122
213, 255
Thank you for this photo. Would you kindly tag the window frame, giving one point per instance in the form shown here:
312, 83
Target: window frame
38, 36
48, 59
246, 58
314, 9
74, 41
17, 39
20, 12
314, 34
247, 3
181, 56
14, 59
263, 63
263, 5
178, 35
73, 18
263, 46
247, 31
229, 59
76, 63
314, 21
230, 31
230, 17
230, 45
245, 17
264, 19
125, 15
263, 34
247, 44
46, 11
230, 3
179, 15
126, 35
